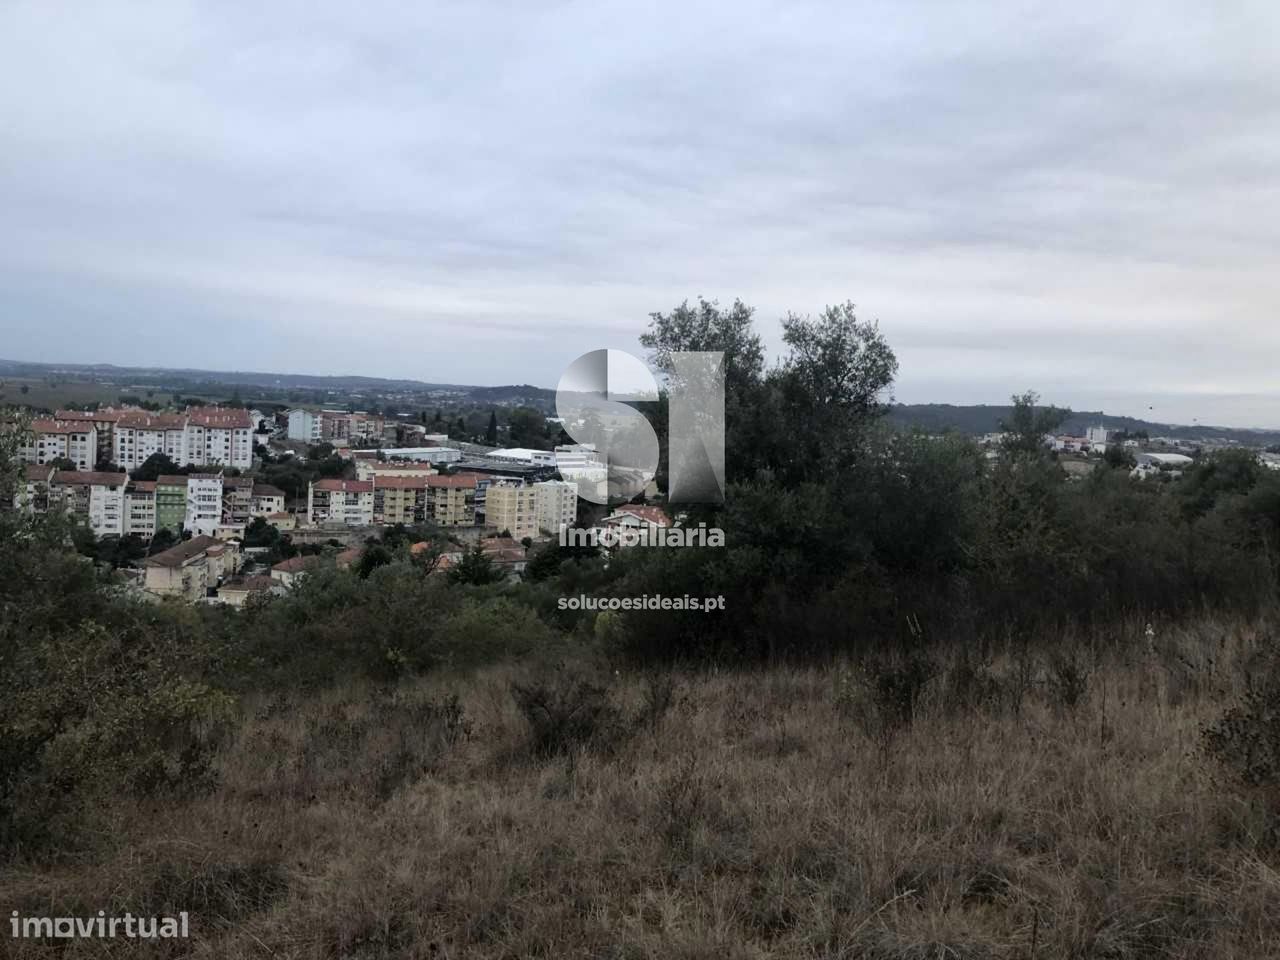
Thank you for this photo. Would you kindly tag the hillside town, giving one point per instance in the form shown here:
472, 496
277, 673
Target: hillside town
498, 501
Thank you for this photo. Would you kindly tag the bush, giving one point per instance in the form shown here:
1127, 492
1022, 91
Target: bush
885, 692
567, 713
1245, 740
1069, 679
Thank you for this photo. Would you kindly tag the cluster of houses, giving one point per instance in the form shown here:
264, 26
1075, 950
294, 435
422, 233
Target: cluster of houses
206, 568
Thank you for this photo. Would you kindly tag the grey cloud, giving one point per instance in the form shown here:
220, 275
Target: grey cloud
1081, 201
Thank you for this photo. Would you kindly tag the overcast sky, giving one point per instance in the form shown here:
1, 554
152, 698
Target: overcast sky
1083, 200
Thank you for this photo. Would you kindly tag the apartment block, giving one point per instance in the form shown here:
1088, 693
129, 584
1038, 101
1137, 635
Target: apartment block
512, 508
74, 440
304, 425
171, 503
136, 435
452, 499
221, 436
348, 502
399, 499
341, 425
204, 503
237, 500
557, 505
98, 497
140, 508
33, 493
103, 420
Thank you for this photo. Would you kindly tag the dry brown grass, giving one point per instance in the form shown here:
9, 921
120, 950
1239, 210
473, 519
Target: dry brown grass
756, 818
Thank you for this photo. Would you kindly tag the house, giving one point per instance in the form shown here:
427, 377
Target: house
632, 524
98, 497
282, 521
637, 515
347, 557
507, 554
237, 590
288, 572
191, 569
334, 500
266, 500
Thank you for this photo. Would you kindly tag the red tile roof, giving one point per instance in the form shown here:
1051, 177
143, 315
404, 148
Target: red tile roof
266, 490
143, 486
338, 485
61, 426
85, 478
143, 420
400, 483
456, 480
655, 515
297, 564
105, 415
220, 418
249, 584
189, 550
38, 472
172, 480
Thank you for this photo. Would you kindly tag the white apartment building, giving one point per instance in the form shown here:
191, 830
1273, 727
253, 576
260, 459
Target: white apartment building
99, 497
74, 440
221, 436
557, 504
204, 503
140, 508
348, 502
304, 425
138, 435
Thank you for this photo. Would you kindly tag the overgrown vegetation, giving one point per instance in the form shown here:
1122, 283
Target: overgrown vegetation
952, 707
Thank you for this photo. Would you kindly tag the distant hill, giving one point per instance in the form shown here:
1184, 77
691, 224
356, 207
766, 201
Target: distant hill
982, 418
285, 387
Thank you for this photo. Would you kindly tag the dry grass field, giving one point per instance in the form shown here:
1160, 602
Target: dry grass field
1021, 807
